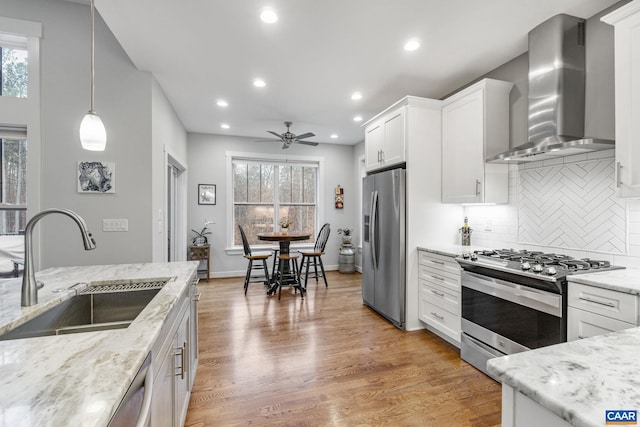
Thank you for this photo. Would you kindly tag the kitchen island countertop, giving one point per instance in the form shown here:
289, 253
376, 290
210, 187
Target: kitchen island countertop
579, 380
79, 379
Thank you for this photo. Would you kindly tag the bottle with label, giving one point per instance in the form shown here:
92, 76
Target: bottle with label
465, 233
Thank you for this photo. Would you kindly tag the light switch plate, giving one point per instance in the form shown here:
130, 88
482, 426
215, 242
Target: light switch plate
115, 225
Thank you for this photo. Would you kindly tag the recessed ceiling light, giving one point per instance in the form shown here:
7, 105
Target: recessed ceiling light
225, 126
269, 16
411, 45
222, 103
356, 96
334, 136
259, 83
357, 119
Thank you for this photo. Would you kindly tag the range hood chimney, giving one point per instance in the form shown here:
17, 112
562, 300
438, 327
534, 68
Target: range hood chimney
556, 94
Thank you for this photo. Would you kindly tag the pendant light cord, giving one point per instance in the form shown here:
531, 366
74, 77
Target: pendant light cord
92, 57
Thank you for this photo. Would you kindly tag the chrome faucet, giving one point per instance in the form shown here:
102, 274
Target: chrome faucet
29, 284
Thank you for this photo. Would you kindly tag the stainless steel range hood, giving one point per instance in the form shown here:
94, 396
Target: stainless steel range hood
556, 94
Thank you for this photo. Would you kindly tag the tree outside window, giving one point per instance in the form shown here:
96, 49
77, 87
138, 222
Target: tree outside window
13, 186
14, 72
265, 192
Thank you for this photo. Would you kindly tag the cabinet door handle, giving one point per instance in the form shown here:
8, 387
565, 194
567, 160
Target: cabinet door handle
477, 187
618, 174
606, 304
437, 262
437, 277
182, 352
437, 316
440, 294
196, 298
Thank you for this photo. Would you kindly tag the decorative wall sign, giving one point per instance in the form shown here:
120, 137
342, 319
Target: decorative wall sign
206, 194
339, 197
96, 177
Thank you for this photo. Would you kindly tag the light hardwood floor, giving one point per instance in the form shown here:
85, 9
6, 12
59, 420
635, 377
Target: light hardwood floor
327, 361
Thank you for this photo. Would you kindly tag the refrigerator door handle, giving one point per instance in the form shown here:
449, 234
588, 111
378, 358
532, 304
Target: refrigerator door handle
373, 229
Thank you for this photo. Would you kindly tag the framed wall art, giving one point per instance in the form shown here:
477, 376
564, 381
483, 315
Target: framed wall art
96, 177
206, 194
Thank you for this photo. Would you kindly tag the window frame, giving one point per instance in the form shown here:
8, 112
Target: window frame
233, 249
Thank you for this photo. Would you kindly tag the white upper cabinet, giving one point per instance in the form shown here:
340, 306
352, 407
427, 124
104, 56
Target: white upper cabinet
626, 21
475, 125
385, 139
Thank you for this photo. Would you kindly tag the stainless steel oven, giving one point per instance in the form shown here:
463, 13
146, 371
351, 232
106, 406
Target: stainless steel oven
514, 301
501, 317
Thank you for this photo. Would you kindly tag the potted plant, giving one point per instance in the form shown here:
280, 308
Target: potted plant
346, 235
200, 237
285, 223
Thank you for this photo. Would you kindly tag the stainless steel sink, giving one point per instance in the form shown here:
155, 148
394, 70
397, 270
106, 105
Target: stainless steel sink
86, 313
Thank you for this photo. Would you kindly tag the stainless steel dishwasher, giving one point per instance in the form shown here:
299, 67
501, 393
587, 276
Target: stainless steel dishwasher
135, 408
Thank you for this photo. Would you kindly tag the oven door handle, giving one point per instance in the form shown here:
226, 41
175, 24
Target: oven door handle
520, 294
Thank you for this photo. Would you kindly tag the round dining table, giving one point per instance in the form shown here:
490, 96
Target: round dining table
284, 239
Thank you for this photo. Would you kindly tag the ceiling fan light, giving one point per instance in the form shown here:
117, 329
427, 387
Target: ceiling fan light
93, 135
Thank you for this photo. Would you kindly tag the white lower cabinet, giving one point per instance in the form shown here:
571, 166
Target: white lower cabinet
439, 295
595, 311
174, 360
520, 411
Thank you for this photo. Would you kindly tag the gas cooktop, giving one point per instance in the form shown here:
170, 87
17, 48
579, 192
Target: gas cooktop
549, 266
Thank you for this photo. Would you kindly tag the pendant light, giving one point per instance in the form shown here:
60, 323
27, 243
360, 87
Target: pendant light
93, 135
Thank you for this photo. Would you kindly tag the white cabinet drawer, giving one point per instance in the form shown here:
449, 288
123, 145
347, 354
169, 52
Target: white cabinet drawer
439, 262
440, 297
440, 279
440, 319
617, 305
583, 324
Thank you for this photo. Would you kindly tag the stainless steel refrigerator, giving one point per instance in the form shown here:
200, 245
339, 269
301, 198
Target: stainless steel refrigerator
383, 258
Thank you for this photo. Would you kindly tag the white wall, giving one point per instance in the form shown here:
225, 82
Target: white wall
124, 101
169, 139
207, 165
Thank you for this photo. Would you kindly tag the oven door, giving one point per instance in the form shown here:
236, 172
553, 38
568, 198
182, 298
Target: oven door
510, 317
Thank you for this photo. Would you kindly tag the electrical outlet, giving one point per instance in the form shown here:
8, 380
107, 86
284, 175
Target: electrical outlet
488, 225
115, 225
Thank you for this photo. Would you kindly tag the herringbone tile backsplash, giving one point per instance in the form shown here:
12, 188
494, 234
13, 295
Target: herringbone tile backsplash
572, 206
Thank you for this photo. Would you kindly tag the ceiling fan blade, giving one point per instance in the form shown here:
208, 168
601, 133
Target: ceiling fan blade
305, 135
276, 134
268, 140
307, 143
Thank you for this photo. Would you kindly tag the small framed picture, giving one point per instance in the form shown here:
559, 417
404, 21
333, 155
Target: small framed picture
206, 194
96, 177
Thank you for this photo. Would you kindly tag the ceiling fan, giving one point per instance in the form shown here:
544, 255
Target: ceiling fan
289, 138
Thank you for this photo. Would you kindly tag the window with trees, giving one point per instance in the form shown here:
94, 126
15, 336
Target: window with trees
265, 192
14, 56
13, 188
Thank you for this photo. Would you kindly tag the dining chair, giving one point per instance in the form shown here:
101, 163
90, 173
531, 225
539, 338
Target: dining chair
288, 274
263, 275
314, 257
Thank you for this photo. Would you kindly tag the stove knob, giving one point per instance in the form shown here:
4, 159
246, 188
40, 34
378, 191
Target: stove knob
550, 271
473, 257
525, 266
537, 268
465, 255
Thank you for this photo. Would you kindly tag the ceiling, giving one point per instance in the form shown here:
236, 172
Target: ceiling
317, 54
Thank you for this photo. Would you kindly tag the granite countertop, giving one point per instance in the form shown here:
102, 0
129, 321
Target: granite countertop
78, 379
627, 280
450, 250
581, 379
